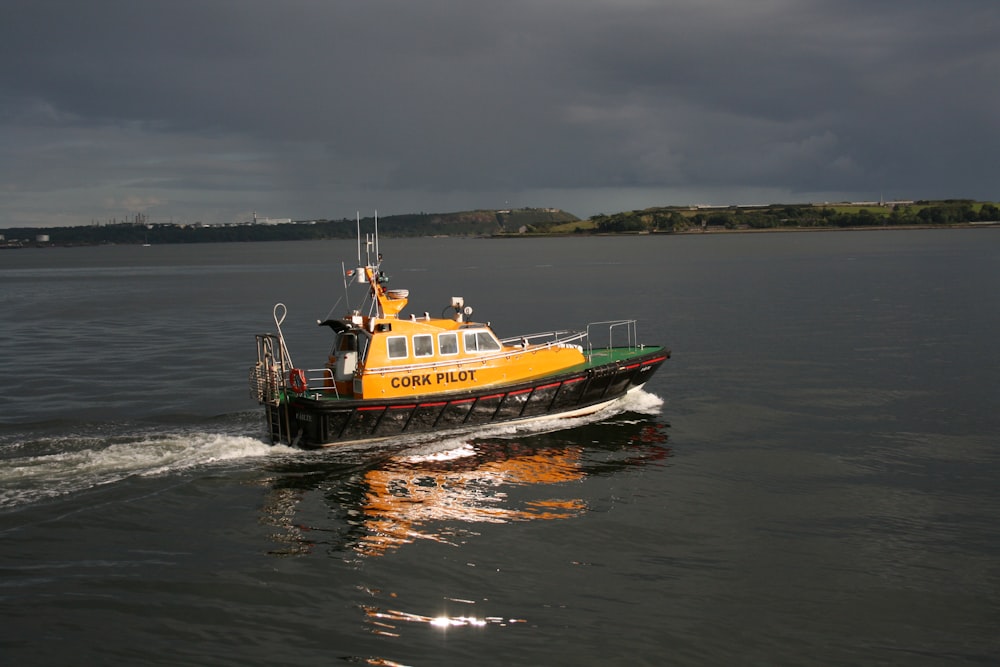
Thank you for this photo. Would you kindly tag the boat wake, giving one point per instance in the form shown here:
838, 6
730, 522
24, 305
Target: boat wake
640, 401
37, 467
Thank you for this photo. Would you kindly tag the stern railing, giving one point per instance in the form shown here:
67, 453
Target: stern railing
269, 384
269, 376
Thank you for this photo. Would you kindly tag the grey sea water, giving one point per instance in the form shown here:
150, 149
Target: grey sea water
812, 479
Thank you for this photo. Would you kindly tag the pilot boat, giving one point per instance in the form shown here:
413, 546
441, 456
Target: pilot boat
390, 375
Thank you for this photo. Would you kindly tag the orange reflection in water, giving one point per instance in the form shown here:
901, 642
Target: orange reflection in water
465, 485
438, 496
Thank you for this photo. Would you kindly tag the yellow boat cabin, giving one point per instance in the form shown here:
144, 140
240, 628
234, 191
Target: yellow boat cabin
384, 355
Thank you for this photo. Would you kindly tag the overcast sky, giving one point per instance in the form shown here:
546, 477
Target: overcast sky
207, 110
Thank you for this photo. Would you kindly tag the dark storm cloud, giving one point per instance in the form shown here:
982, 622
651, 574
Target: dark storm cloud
209, 110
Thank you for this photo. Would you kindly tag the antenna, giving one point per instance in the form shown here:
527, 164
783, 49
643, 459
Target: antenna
358, 213
345, 274
378, 256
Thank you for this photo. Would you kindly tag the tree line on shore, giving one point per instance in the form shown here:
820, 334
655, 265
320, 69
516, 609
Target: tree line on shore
673, 219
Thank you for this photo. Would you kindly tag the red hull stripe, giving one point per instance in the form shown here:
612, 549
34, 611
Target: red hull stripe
433, 405
366, 408
547, 386
655, 361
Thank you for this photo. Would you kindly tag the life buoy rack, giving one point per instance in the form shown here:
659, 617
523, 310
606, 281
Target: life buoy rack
297, 380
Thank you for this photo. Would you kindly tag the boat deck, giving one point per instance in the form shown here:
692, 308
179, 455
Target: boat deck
615, 354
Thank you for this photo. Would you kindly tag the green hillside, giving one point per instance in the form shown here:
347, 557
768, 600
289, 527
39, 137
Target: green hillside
798, 216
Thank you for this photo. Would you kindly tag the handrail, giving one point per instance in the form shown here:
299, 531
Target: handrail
269, 375
632, 340
574, 335
320, 376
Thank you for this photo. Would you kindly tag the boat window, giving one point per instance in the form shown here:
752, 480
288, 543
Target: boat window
448, 343
344, 342
348, 342
423, 345
397, 347
480, 341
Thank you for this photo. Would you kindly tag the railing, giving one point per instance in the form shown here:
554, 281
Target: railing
547, 338
268, 383
268, 377
317, 380
616, 330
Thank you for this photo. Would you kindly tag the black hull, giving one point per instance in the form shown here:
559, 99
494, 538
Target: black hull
311, 423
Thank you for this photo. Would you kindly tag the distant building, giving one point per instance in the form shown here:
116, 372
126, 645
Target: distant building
270, 221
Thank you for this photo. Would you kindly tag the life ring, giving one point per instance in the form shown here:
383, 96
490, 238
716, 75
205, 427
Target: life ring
297, 380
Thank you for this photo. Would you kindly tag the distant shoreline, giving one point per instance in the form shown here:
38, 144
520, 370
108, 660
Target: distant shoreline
718, 231
873, 228
707, 231
534, 223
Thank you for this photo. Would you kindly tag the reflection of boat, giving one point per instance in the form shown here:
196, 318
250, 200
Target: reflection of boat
389, 375
439, 497
404, 498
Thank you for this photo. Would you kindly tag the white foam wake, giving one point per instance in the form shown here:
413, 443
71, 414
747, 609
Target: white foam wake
68, 464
